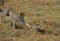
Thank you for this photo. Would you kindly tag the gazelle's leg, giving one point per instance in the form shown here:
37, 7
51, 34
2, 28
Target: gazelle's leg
13, 25
21, 18
3, 18
28, 25
24, 22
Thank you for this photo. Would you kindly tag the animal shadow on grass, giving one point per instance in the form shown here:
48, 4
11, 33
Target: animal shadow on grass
0, 10
16, 26
41, 31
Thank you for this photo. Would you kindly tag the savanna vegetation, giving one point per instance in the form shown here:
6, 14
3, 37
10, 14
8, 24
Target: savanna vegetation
36, 12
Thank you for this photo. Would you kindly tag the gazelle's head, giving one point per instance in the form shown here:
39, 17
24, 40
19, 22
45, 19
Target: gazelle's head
22, 14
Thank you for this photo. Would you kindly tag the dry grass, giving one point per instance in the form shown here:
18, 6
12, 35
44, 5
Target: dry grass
36, 12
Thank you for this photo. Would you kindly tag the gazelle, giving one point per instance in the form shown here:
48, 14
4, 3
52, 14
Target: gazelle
13, 16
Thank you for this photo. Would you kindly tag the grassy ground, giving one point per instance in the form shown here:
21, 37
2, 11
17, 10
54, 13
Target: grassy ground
36, 12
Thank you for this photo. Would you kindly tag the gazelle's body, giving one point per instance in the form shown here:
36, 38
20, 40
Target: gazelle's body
4, 13
13, 16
